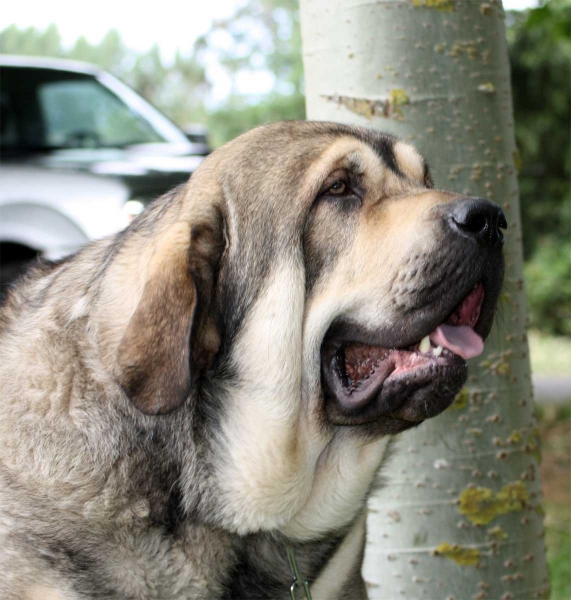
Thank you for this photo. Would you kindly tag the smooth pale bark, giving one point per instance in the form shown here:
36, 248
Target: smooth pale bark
460, 516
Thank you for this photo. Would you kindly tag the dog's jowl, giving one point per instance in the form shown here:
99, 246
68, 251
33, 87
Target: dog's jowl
186, 403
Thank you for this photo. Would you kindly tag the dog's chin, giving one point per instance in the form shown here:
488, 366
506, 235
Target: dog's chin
397, 388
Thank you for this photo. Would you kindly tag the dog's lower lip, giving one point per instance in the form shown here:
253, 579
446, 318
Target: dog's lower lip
357, 373
355, 392
402, 399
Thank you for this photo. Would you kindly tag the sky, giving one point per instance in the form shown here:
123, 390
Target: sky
171, 24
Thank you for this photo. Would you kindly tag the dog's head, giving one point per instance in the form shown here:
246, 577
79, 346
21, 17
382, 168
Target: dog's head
311, 288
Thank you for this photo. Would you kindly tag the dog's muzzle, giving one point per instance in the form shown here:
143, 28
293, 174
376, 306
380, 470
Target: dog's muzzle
413, 369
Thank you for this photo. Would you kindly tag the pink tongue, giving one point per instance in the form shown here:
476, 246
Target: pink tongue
460, 339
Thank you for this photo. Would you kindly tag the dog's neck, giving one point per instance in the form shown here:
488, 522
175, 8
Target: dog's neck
136, 498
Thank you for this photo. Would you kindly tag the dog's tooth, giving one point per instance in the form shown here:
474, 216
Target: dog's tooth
437, 351
424, 344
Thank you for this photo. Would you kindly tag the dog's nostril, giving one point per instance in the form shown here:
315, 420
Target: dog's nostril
479, 219
502, 222
472, 223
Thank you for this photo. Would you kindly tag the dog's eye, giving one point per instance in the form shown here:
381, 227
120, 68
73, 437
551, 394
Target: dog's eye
341, 194
337, 188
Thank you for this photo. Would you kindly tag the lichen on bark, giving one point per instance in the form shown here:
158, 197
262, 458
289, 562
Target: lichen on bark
461, 555
481, 505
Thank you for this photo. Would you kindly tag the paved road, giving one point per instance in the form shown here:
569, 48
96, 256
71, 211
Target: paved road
552, 389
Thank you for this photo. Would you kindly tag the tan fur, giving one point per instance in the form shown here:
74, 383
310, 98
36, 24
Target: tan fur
409, 161
40, 592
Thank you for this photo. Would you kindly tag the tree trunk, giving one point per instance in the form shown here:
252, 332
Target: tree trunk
460, 516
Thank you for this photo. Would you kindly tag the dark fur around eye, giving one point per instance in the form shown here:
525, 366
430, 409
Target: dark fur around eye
342, 190
346, 203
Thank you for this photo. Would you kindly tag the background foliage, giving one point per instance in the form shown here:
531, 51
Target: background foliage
264, 37
540, 53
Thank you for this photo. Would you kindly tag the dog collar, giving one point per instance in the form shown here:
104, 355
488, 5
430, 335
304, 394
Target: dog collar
298, 580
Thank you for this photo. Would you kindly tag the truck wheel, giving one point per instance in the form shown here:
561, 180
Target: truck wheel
9, 272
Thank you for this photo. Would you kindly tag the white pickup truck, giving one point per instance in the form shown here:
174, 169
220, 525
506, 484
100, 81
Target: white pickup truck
81, 154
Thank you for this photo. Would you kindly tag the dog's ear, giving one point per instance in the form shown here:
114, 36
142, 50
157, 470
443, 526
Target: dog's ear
153, 363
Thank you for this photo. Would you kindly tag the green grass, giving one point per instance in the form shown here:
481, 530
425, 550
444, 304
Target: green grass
550, 355
558, 554
555, 431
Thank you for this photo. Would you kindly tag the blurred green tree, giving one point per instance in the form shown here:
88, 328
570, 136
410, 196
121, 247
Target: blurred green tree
263, 36
110, 53
31, 41
540, 55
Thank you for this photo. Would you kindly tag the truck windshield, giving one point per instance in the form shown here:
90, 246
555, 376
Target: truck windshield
45, 109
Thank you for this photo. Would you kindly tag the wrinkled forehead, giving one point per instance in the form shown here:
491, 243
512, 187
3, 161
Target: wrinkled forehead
275, 172
383, 161
281, 147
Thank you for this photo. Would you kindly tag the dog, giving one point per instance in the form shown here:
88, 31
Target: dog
200, 403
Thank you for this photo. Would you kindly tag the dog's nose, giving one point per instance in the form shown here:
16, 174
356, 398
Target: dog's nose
479, 219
